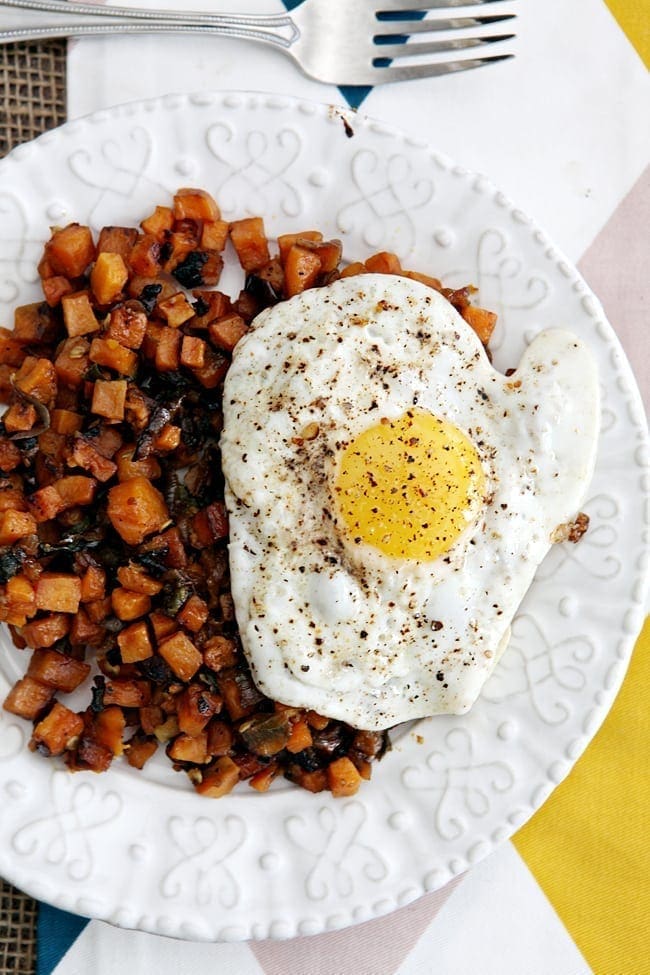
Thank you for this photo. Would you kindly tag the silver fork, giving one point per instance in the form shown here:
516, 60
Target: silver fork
342, 42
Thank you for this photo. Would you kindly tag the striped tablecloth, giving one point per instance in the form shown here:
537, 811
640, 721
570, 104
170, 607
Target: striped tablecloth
564, 130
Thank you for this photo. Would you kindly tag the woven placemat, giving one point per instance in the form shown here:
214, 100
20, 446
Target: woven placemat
32, 100
32, 90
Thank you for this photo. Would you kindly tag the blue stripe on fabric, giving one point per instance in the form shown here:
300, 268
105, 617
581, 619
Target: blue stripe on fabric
56, 931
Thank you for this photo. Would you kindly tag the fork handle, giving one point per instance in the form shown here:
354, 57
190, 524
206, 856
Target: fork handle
30, 20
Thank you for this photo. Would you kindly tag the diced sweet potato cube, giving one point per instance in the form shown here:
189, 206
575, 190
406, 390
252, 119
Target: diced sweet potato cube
55, 288
240, 695
99, 609
196, 706
219, 652
220, 737
262, 780
175, 310
58, 592
286, 241
383, 262
342, 777
46, 503
108, 352
162, 625
46, 631
129, 605
27, 698
78, 315
72, 362
65, 422
209, 525
109, 399
181, 655
184, 257
109, 727
140, 750
144, 257
317, 721
84, 631
20, 416
193, 204
220, 779
108, 277
193, 614
168, 439
301, 270
37, 378
214, 235
210, 305
300, 737
93, 584
481, 320
57, 670
86, 456
116, 240
127, 468
10, 456
185, 748
34, 323
57, 731
167, 356
21, 599
90, 754
226, 331
193, 352
15, 525
12, 497
312, 781
249, 240
430, 282
135, 643
127, 693
136, 509
127, 324
352, 270
213, 371
135, 578
70, 250
12, 351
76, 490
159, 223
151, 339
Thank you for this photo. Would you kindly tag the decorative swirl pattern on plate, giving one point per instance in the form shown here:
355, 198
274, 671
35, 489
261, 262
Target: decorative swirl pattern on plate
62, 837
257, 164
331, 841
547, 674
390, 192
257, 866
201, 873
462, 787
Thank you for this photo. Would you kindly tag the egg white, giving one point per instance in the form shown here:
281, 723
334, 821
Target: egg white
336, 626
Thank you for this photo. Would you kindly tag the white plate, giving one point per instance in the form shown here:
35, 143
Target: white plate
141, 849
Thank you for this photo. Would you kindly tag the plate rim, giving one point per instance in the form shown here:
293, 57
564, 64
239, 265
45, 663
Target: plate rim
218, 98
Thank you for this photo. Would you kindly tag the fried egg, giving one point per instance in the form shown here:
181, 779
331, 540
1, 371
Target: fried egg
391, 495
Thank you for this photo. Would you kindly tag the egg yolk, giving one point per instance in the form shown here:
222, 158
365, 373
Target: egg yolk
410, 486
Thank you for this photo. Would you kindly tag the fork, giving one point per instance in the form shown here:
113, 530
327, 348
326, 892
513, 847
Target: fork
342, 42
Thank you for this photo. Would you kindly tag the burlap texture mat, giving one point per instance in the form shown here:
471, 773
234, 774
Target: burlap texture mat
32, 100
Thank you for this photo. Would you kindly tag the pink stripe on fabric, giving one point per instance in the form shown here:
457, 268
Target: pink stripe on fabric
373, 948
616, 267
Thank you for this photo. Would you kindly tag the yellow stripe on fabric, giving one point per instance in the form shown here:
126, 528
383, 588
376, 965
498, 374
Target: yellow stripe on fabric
634, 18
589, 845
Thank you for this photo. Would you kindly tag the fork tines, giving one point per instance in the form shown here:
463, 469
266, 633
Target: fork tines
395, 25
